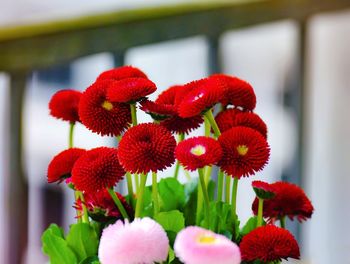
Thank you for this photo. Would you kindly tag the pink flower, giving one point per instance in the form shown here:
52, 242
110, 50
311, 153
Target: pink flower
142, 241
196, 245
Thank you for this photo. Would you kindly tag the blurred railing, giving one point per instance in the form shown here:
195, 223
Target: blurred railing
24, 49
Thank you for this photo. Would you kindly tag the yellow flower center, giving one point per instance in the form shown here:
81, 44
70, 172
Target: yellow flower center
242, 150
206, 239
198, 150
107, 105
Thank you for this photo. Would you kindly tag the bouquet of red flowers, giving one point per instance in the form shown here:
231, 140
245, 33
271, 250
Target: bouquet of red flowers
169, 222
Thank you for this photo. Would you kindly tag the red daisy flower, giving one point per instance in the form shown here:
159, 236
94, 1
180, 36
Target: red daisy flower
205, 94
263, 190
168, 96
64, 105
97, 169
234, 117
175, 123
269, 243
236, 91
158, 111
245, 151
290, 200
130, 90
146, 147
121, 73
101, 206
61, 165
198, 152
100, 115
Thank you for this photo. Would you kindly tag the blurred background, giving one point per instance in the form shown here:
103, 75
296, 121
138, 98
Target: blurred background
301, 75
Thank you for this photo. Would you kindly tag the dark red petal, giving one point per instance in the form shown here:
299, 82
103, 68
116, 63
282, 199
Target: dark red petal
97, 169
203, 95
121, 73
245, 151
269, 243
112, 119
61, 165
130, 90
209, 152
236, 91
147, 147
64, 105
290, 200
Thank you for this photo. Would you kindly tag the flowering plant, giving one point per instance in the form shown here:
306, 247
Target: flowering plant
169, 222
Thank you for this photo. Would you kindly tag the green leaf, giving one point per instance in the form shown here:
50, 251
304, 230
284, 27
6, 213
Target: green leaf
191, 202
249, 226
171, 221
90, 260
172, 194
82, 239
171, 255
147, 202
56, 247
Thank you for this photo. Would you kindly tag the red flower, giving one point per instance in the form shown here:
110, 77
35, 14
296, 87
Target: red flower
245, 151
130, 90
263, 190
61, 165
96, 170
101, 116
290, 200
101, 206
236, 91
64, 105
146, 147
197, 152
121, 73
165, 104
205, 94
181, 125
269, 243
158, 111
234, 117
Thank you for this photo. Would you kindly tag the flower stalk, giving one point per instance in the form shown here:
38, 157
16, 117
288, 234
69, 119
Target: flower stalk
139, 203
205, 195
234, 196
155, 193
260, 212
118, 203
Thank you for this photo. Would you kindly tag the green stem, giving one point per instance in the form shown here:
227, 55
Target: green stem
77, 196
199, 204
85, 212
234, 196
71, 130
181, 137
155, 194
137, 182
133, 114
220, 185
214, 125
260, 212
139, 203
130, 188
118, 203
187, 174
206, 127
208, 171
206, 197
227, 188
283, 222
